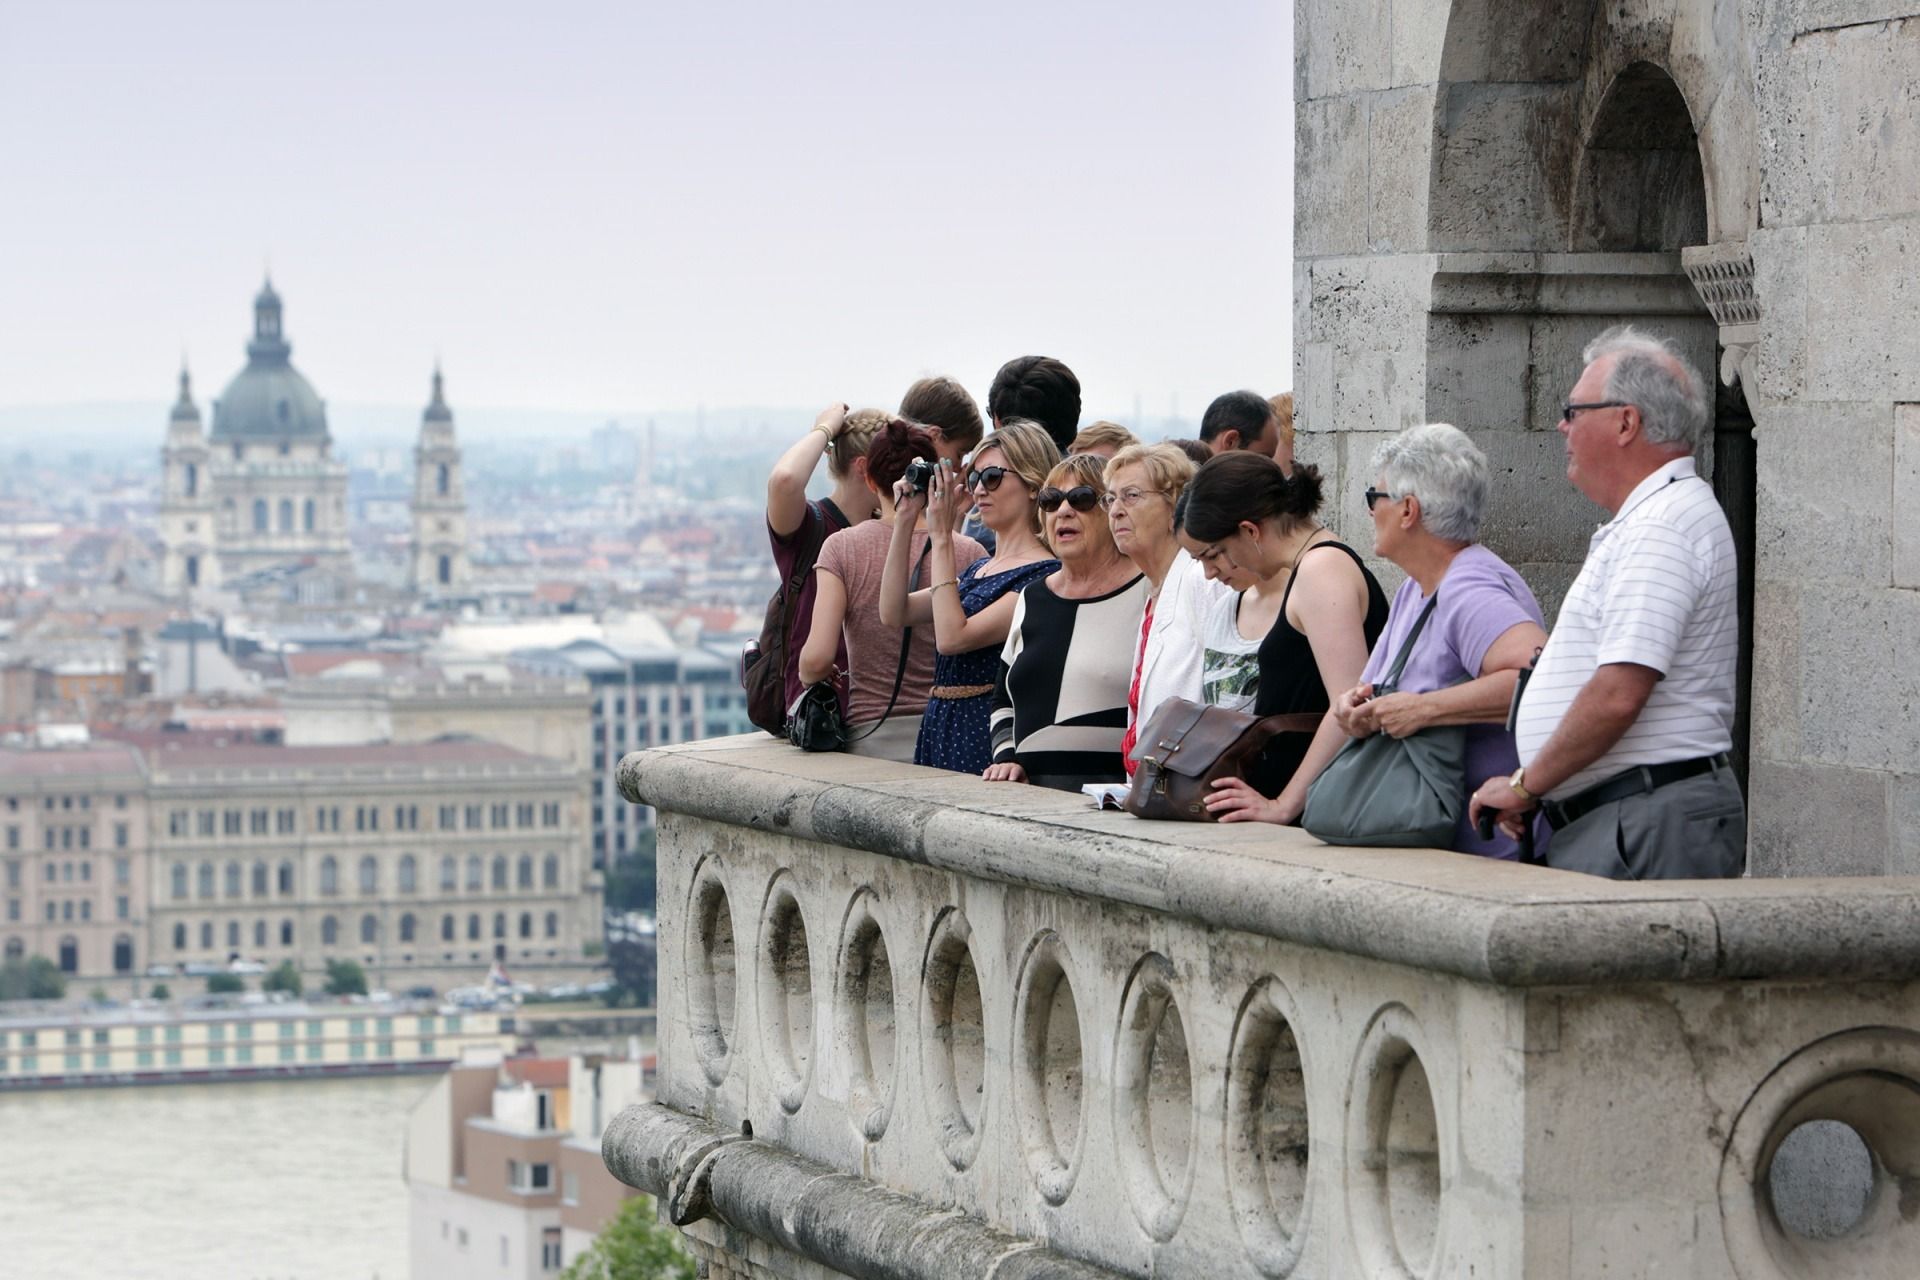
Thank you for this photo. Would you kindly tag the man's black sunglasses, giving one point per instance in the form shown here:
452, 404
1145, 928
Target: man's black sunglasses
1374, 496
1569, 411
987, 478
1082, 497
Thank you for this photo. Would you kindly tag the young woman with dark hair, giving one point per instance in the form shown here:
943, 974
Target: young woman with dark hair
1250, 524
847, 602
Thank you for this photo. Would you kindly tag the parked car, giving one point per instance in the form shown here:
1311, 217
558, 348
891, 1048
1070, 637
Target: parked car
162, 971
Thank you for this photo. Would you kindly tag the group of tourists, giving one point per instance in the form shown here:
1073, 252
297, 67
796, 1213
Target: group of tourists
1018, 603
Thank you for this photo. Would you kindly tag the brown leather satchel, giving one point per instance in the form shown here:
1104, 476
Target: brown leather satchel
1186, 746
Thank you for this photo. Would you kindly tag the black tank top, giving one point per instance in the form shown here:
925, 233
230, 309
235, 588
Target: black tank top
1290, 679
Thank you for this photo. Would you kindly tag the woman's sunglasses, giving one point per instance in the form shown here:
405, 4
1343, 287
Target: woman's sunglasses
1082, 497
987, 478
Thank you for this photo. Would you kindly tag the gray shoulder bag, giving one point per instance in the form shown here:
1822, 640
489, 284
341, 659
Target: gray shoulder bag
1386, 791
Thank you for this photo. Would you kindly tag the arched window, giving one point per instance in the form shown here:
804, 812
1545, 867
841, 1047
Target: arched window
329, 875
500, 871
523, 871
526, 924
123, 954
443, 572
449, 875
406, 927
369, 929
329, 931
179, 937
550, 872
259, 879
233, 879
259, 933
307, 516
286, 933
499, 924
286, 515
69, 955
233, 933
179, 881
259, 515
441, 480
193, 571
192, 480
447, 928
206, 879
369, 875
474, 873
473, 926
553, 924
409, 873
206, 935
286, 878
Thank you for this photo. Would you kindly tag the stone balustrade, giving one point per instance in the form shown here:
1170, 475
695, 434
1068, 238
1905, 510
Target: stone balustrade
916, 1025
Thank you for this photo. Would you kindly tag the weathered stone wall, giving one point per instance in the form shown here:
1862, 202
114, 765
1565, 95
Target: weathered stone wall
918, 1025
1483, 186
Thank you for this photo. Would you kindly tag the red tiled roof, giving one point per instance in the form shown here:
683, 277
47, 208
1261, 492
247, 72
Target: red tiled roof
69, 762
541, 1073
314, 663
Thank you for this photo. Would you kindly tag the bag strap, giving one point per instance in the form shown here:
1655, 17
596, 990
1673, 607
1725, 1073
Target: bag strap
906, 645
790, 589
1392, 680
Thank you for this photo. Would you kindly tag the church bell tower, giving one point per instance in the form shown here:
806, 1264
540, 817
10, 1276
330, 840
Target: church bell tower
439, 503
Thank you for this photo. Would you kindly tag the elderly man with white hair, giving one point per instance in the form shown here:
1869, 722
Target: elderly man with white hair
1625, 724
1479, 625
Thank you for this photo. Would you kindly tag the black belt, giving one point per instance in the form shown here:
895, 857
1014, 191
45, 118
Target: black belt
1633, 782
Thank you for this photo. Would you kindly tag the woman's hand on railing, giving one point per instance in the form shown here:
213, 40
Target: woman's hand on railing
1008, 772
1233, 800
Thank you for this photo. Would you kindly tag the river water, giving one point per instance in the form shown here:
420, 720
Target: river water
281, 1180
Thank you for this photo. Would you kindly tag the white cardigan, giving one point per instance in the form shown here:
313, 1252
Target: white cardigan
1176, 642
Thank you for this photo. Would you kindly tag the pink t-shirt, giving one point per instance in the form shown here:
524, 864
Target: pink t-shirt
857, 557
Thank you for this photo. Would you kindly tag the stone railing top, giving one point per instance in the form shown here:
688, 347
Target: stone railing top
1483, 920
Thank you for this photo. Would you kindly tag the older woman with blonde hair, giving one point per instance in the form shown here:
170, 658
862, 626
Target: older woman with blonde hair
1144, 484
971, 608
1060, 698
1482, 626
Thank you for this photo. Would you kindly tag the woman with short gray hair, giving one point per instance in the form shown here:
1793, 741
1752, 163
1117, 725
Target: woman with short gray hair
1482, 625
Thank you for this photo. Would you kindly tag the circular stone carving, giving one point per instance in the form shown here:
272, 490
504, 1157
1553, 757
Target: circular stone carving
1153, 1099
786, 993
1268, 1177
1860, 1086
710, 971
1401, 1165
953, 1050
1047, 1078
866, 1022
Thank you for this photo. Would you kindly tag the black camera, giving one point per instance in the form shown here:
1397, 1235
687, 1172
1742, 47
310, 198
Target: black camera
919, 475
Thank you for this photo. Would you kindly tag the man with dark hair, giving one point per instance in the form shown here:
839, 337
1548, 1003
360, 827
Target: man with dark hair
1240, 420
1039, 388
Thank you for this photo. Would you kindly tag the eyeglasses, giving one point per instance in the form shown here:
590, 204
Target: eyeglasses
1568, 412
1082, 497
1129, 497
1374, 496
987, 478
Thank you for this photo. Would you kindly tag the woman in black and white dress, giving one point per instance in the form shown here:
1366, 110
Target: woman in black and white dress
1060, 700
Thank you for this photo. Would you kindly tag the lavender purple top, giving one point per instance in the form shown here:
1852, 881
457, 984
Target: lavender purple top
1481, 598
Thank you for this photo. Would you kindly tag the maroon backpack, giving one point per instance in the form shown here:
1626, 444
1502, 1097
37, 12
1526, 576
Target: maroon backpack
763, 663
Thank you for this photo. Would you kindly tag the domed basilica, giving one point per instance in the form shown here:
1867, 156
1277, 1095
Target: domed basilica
263, 491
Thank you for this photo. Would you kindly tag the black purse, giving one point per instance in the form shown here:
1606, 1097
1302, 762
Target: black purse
814, 722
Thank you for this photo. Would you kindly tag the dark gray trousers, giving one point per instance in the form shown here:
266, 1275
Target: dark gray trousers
1694, 829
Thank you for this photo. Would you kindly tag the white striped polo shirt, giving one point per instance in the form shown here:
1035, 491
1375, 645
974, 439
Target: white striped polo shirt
1658, 589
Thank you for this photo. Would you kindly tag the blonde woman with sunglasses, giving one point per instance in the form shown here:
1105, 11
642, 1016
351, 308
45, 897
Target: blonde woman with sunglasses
1060, 699
972, 608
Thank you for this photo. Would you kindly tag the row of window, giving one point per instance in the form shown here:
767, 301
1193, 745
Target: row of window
208, 823
500, 874
73, 909
410, 929
69, 953
315, 1051
423, 1025
65, 802
70, 837
67, 872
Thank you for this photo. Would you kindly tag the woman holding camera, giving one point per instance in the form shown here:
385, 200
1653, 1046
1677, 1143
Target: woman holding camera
1248, 522
1060, 697
847, 602
970, 610
1483, 624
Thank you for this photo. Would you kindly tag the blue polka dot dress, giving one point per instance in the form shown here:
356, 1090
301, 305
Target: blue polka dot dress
955, 734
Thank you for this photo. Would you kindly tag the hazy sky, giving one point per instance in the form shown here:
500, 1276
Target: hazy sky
614, 206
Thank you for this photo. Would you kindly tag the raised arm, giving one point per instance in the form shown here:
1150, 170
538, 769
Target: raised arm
787, 483
897, 607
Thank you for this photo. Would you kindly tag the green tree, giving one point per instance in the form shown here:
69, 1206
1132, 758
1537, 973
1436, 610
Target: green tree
346, 978
160, 992
225, 984
633, 962
283, 978
630, 877
34, 978
635, 1245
